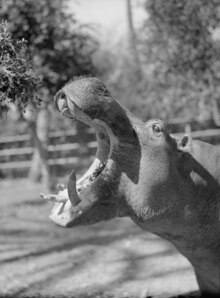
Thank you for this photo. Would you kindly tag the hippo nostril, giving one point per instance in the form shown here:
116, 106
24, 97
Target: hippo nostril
60, 101
62, 95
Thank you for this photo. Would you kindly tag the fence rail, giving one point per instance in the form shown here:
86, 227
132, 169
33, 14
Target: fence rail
52, 134
51, 148
10, 158
201, 134
64, 151
52, 162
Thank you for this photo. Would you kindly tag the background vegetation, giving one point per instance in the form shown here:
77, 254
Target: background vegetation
59, 48
168, 68
18, 83
178, 48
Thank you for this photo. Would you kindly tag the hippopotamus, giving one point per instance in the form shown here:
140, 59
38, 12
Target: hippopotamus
167, 185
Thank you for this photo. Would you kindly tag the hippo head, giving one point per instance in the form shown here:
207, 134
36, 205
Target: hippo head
167, 186
135, 164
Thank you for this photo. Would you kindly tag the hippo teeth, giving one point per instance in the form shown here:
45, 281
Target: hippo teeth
71, 189
68, 204
91, 177
66, 112
97, 171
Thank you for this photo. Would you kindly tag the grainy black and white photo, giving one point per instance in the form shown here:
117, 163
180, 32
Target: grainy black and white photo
109, 148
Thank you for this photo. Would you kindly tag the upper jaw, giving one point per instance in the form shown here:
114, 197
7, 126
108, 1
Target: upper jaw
105, 137
98, 188
72, 111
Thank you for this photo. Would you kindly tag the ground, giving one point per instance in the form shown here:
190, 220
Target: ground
110, 259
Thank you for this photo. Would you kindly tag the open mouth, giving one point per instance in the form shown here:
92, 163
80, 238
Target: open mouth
72, 202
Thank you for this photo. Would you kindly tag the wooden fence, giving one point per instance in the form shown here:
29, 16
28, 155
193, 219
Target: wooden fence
66, 149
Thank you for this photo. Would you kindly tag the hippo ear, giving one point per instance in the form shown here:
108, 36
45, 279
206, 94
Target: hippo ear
184, 144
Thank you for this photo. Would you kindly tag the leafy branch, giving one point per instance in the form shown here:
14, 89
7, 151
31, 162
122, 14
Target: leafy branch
18, 83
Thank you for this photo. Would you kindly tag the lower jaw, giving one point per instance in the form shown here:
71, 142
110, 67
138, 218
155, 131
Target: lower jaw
98, 193
102, 177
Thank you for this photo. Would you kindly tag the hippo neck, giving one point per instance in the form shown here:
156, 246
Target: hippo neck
202, 251
127, 151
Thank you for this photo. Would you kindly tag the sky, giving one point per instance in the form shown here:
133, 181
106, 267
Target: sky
108, 15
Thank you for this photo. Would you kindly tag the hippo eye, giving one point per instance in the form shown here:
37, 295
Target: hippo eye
157, 128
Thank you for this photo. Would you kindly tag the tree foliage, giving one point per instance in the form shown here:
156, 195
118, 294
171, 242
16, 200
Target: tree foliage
18, 84
60, 46
185, 28
179, 51
178, 42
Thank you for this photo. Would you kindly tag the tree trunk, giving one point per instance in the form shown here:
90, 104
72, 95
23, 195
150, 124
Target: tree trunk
214, 100
215, 111
133, 42
39, 130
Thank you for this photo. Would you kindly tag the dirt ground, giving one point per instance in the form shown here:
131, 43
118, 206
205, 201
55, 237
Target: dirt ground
110, 259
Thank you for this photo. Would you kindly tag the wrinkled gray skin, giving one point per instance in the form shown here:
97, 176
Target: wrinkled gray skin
167, 186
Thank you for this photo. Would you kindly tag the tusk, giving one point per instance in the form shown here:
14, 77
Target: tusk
71, 189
